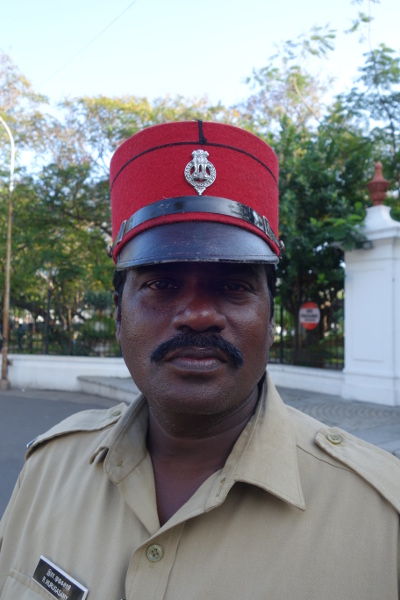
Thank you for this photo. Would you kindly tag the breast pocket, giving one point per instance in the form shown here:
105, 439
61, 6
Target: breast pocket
21, 587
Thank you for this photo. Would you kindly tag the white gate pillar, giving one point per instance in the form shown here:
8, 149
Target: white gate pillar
372, 307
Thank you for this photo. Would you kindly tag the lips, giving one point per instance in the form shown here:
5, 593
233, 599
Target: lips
196, 358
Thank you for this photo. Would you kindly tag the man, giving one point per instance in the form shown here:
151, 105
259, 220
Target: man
207, 486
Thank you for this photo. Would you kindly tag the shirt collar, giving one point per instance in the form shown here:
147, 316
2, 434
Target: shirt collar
125, 444
265, 454
269, 459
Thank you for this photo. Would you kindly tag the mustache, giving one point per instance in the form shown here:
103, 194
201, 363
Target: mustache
199, 340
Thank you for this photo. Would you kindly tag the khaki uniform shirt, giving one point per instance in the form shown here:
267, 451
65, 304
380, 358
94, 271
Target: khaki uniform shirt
299, 511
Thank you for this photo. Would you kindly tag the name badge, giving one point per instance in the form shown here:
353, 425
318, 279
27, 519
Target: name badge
58, 582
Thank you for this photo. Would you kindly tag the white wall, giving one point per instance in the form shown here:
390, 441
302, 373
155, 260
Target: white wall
324, 381
62, 372
372, 313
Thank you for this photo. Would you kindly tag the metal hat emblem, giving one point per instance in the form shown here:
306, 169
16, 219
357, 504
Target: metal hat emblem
199, 172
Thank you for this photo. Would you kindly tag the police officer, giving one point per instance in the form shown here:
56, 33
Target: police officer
207, 485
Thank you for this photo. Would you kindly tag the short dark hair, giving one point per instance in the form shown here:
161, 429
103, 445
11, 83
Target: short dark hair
120, 278
271, 280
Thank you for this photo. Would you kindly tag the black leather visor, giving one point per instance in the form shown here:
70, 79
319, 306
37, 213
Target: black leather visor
195, 241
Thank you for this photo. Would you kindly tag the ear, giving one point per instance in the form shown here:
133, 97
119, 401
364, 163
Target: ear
117, 317
271, 331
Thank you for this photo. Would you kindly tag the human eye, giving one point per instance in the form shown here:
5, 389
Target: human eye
162, 284
234, 286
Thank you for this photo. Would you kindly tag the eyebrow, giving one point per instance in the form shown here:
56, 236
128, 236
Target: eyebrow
172, 269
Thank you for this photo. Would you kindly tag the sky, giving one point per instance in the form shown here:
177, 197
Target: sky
187, 47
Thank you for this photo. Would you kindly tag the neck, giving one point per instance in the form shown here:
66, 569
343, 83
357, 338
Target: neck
186, 451
177, 437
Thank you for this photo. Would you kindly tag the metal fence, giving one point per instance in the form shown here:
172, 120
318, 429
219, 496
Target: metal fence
84, 326
322, 347
79, 326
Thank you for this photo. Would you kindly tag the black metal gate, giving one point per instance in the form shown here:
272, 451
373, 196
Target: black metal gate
82, 325
322, 347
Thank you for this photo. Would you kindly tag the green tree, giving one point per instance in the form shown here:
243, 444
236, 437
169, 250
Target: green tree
324, 157
23, 111
285, 90
322, 200
374, 104
61, 207
95, 126
326, 154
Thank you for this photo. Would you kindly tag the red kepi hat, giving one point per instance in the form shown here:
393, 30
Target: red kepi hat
194, 191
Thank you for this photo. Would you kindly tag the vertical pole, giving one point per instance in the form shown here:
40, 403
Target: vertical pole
6, 309
281, 334
5, 384
46, 351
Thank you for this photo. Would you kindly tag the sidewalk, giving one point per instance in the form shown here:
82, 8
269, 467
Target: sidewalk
374, 423
24, 414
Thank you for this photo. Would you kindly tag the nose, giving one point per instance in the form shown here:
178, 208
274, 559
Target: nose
198, 311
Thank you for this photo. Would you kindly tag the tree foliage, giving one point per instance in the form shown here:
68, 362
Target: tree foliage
375, 104
284, 89
22, 109
326, 156
326, 151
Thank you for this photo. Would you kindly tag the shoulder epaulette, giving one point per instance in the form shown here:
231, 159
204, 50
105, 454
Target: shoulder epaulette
86, 420
376, 466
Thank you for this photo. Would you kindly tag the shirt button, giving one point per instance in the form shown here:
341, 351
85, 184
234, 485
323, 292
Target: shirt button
154, 553
334, 438
116, 413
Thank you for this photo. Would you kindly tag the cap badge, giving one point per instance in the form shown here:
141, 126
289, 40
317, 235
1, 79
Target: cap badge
199, 172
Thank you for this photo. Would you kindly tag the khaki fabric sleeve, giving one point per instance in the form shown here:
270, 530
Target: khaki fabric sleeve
7, 512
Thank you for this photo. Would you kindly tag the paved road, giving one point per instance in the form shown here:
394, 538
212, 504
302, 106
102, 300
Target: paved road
26, 414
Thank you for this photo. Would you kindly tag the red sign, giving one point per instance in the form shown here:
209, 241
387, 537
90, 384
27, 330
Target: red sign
309, 315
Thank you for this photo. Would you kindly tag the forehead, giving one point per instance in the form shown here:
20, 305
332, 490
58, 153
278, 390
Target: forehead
202, 269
